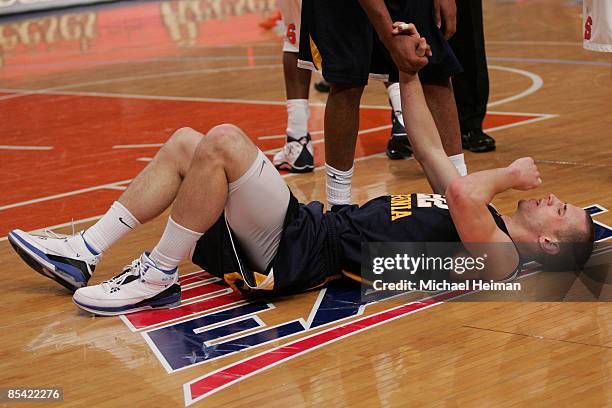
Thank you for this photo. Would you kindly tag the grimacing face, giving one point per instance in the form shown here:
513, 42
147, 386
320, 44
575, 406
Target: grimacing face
549, 215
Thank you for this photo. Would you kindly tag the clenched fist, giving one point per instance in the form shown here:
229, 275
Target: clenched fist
526, 174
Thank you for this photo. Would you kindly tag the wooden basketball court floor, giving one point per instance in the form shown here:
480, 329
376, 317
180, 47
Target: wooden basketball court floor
88, 95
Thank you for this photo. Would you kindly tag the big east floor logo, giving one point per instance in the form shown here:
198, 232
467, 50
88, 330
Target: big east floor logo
212, 322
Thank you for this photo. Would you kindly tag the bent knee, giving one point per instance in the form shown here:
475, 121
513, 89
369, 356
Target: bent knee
225, 133
224, 140
183, 143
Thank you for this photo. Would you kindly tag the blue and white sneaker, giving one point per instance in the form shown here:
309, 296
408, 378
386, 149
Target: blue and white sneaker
66, 260
141, 286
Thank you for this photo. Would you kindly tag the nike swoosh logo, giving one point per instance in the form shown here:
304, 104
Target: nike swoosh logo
124, 223
263, 163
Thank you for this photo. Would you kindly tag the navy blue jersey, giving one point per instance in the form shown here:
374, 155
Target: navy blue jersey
396, 218
317, 246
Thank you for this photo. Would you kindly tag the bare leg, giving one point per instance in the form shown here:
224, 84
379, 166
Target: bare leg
156, 187
224, 155
441, 103
341, 125
297, 80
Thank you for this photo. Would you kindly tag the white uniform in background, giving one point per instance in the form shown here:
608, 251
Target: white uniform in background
291, 10
597, 25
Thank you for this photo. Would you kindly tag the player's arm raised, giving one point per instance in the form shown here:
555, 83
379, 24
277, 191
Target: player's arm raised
423, 135
420, 126
468, 197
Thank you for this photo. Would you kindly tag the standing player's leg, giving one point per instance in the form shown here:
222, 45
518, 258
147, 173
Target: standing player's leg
71, 261
218, 167
341, 127
297, 154
342, 52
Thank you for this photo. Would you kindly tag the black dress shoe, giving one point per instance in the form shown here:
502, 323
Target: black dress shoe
475, 140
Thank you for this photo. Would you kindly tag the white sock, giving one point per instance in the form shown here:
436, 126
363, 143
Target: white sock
338, 185
393, 91
458, 161
297, 117
116, 223
174, 245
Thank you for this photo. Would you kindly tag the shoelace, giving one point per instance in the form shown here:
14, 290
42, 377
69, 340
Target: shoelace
49, 233
93, 260
133, 269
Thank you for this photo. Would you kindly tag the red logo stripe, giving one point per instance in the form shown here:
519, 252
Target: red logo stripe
141, 320
218, 380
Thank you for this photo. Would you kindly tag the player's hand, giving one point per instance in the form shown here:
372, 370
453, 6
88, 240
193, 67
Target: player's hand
423, 49
446, 10
408, 50
526, 174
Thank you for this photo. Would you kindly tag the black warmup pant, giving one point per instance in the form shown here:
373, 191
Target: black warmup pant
472, 86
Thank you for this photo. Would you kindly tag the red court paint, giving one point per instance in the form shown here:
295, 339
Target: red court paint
84, 129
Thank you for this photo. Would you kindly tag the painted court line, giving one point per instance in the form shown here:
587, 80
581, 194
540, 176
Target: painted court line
137, 146
544, 43
139, 78
551, 61
67, 194
525, 122
60, 90
536, 84
9, 147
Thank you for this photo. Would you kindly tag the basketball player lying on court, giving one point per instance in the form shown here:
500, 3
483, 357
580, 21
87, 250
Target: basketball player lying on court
233, 214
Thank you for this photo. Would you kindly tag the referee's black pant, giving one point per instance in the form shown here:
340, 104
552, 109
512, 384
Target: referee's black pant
472, 86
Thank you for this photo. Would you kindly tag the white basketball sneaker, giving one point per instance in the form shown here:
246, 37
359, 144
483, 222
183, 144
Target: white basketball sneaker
67, 260
297, 156
141, 285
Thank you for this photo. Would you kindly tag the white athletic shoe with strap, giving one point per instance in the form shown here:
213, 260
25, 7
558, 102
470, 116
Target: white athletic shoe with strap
141, 286
67, 260
297, 156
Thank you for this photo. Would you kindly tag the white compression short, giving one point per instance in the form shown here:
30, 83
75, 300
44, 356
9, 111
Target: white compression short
255, 210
